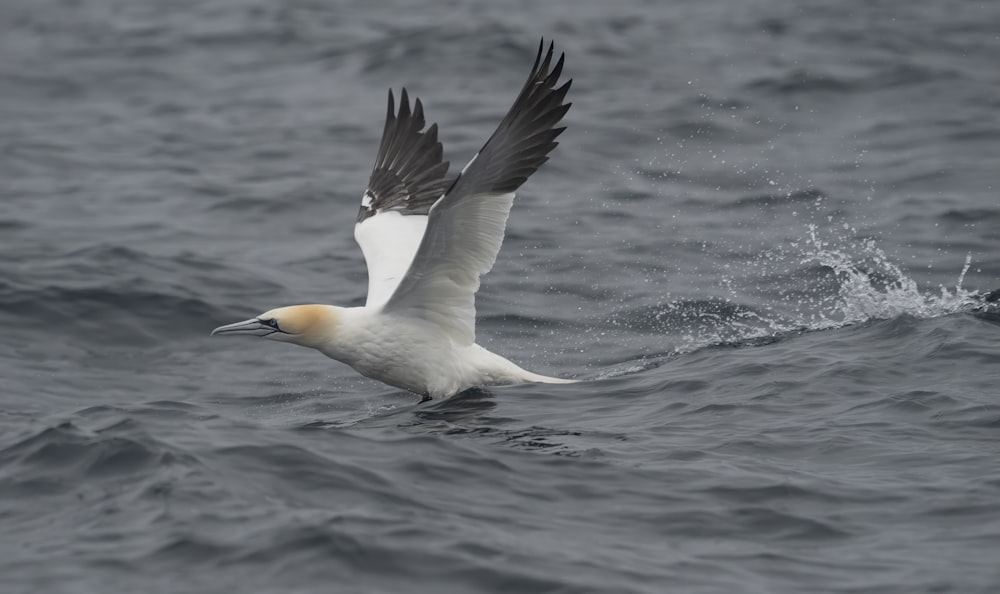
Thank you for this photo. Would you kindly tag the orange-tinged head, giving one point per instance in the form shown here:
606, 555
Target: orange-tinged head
300, 324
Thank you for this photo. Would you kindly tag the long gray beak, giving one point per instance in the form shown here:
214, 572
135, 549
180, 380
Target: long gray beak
253, 326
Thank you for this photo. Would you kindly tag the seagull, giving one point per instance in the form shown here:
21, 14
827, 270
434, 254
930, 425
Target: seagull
426, 241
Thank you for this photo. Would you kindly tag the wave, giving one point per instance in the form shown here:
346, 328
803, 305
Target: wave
121, 292
823, 284
56, 459
123, 314
872, 286
798, 80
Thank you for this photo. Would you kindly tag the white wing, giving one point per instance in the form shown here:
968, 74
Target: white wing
465, 227
407, 179
389, 241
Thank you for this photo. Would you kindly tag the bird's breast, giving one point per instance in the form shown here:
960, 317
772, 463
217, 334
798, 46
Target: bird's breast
408, 354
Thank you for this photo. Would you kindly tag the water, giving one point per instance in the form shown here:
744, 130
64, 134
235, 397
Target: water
765, 243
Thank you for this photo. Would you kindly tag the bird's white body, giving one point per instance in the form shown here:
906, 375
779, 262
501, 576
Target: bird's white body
427, 240
413, 354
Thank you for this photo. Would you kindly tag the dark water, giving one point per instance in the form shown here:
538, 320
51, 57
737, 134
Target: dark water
764, 243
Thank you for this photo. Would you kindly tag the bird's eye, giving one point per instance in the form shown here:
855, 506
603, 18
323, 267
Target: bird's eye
272, 323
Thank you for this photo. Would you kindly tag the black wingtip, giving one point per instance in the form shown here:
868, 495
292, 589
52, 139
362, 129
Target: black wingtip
525, 136
538, 56
404, 105
418, 108
409, 172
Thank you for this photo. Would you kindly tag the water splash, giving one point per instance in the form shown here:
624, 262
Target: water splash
828, 283
873, 287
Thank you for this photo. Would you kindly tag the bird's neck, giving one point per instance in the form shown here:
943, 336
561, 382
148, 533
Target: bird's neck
337, 331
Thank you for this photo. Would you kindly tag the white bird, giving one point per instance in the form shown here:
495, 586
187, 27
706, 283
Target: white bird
426, 241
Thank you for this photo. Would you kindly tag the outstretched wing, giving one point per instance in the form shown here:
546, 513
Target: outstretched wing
408, 178
466, 227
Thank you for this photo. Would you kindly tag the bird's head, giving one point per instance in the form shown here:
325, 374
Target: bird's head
307, 325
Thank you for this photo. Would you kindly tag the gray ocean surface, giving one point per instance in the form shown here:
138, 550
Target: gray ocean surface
766, 244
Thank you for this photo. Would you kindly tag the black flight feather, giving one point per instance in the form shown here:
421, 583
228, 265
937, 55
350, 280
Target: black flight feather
409, 174
526, 135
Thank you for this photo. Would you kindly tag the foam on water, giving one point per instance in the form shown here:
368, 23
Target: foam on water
873, 287
869, 285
